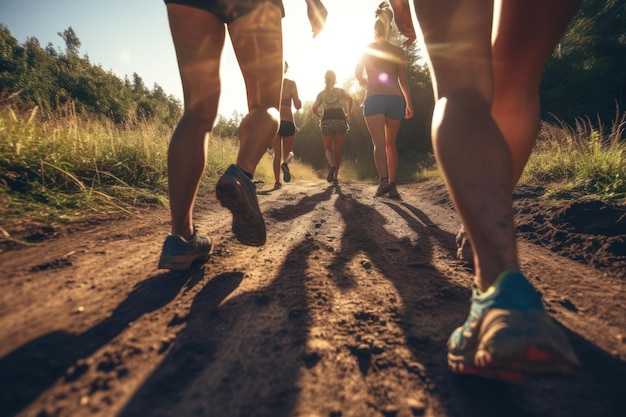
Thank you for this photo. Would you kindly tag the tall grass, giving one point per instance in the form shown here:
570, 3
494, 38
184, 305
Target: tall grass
579, 161
60, 164
64, 162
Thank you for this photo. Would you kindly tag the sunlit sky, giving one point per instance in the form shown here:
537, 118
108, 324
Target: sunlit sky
132, 36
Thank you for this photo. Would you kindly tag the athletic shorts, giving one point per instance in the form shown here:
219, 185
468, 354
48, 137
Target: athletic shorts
287, 128
392, 106
334, 122
227, 10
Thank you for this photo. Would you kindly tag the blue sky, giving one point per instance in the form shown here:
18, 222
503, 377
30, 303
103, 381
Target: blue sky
128, 36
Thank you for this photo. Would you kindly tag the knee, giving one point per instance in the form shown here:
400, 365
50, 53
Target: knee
462, 106
264, 115
202, 114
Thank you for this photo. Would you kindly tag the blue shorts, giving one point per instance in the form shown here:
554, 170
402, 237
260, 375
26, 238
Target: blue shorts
392, 106
227, 10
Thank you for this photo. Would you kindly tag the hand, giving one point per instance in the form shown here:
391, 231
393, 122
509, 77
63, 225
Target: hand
316, 12
408, 112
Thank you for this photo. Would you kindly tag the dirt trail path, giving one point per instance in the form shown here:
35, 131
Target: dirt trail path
344, 313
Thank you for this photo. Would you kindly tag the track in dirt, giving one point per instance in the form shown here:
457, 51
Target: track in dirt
344, 312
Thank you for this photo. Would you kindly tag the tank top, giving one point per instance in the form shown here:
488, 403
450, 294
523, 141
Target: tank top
333, 99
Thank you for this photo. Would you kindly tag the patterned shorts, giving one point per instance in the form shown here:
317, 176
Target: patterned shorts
334, 123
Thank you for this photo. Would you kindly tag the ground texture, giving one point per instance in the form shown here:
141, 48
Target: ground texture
345, 312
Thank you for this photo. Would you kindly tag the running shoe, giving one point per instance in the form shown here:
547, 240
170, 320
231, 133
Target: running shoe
286, 173
393, 191
509, 336
464, 252
383, 188
335, 181
179, 254
331, 174
236, 191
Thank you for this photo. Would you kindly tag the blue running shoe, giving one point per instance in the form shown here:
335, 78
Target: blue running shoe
286, 173
509, 336
178, 253
236, 191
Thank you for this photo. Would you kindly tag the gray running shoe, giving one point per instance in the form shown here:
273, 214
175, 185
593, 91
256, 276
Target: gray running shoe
286, 173
236, 191
179, 254
393, 191
383, 188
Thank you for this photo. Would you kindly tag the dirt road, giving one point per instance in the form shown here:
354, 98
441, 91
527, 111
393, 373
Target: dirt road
345, 312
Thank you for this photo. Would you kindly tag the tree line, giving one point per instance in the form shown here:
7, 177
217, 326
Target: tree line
55, 79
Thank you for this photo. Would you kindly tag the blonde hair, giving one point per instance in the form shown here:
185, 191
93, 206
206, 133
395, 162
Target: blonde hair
330, 78
382, 25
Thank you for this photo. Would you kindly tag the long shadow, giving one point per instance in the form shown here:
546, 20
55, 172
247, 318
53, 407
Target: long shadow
424, 225
240, 357
32, 368
429, 298
303, 206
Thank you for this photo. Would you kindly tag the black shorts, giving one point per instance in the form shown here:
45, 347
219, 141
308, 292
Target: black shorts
227, 10
287, 128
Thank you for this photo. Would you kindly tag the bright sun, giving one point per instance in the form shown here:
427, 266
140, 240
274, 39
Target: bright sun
337, 48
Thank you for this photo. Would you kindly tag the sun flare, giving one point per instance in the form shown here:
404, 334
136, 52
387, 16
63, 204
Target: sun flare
337, 48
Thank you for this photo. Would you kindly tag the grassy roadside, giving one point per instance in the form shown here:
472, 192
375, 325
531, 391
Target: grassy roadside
58, 167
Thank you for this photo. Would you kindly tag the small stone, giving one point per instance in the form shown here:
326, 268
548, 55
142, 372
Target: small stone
390, 410
417, 407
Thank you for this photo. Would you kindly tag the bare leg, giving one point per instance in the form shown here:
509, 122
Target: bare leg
520, 52
337, 144
277, 145
288, 143
477, 169
376, 127
198, 38
257, 41
328, 149
391, 133
508, 334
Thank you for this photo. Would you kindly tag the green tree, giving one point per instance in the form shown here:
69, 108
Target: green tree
587, 73
72, 43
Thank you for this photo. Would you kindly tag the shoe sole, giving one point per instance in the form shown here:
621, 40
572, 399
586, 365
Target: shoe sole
248, 223
286, 173
182, 262
515, 346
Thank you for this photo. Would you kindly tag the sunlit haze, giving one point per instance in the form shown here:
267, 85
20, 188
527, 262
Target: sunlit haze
133, 37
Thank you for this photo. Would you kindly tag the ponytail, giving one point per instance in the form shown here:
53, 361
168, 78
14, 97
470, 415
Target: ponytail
382, 25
